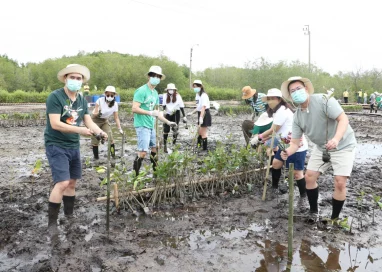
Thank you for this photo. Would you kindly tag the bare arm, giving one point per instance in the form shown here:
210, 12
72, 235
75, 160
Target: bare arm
268, 133
136, 109
202, 111
342, 126
56, 124
91, 125
116, 118
293, 147
96, 109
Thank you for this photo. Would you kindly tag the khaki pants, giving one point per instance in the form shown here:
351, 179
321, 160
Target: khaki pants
103, 124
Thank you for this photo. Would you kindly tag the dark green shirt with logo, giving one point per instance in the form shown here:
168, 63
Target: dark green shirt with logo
72, 113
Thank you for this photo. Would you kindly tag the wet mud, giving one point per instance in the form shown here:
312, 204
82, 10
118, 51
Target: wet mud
229, 232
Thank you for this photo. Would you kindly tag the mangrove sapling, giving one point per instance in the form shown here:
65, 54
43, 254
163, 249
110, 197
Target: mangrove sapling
360, 206
35, 171
377, 204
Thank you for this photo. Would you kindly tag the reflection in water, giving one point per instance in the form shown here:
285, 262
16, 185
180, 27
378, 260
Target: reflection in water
311, 260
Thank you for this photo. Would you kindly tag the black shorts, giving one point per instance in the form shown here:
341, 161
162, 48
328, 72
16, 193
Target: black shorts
173, 118
207, 120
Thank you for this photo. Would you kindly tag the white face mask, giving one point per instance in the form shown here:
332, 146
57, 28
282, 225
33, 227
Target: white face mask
170, 91
110, 98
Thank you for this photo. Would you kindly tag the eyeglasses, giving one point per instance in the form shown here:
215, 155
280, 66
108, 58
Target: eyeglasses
296, 89
75, 78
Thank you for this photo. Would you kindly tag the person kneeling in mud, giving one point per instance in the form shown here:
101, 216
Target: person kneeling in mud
325, 123
261, 125
282, 115
253, 98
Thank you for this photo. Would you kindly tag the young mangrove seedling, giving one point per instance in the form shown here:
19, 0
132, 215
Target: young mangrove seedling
35, 171
377, 204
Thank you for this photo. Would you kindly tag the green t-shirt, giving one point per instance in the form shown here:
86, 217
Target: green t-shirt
71, 113
261, 129
148, 99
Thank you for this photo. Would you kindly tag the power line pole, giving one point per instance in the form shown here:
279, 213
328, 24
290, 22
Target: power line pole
192, 47
307, 32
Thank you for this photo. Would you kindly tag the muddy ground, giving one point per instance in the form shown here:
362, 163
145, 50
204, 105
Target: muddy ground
226, 233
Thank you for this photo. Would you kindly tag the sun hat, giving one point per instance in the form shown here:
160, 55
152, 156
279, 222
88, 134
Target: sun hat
284, 86
156, 70
247, 92
197, 81
74, 68
171, 86
263, 120
110, 89
274, 92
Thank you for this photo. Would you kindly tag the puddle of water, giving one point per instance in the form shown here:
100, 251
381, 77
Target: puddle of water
368, 151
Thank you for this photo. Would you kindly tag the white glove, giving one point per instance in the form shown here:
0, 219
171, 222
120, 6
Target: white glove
200, 120
154, 113
121, 131
255, 139
184, 119
190, 113
171, 124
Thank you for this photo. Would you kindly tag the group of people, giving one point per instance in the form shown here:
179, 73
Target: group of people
322, 121
289, 115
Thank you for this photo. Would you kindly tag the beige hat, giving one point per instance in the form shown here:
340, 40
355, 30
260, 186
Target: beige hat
263, 120
284, 86
110, 89
274, 92
197, 81
171, 86
74, 68
247, 92
156, 70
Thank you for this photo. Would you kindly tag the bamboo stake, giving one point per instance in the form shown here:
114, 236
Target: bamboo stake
290, 217
115, 196
108, 187
268, 166
123, 145
184, 183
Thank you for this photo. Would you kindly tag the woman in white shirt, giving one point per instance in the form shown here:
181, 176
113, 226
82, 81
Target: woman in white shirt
172, 105
104, 108
203, 109
282, 125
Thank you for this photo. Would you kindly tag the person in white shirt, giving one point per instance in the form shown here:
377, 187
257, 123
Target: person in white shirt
203, 109
104, 108
282, 115
172, 105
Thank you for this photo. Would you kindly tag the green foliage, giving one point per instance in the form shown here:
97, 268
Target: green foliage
234, 110
352, 108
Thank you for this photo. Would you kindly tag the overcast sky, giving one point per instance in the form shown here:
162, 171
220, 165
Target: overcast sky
345, 35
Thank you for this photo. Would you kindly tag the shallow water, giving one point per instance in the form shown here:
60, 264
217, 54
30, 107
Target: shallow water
368, 151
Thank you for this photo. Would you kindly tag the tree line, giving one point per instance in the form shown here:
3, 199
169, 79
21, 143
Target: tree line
126, 71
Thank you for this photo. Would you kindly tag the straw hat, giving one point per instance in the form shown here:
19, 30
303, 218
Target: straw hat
284, 86
156, 70
274, 92
247, 92
263, 120
171, 86
74, 68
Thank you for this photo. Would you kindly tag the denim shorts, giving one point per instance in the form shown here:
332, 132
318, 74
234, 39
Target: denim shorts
269, 141
64, 163
146, 138
297, 158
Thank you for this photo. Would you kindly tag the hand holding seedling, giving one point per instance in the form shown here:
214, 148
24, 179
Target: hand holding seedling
333, 143
85, 131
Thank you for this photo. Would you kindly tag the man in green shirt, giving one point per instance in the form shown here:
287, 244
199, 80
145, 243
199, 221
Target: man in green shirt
145, 101
65, 111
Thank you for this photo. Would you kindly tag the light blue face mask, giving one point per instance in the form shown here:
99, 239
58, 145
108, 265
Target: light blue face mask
154, 81
197, 89
73, 85
299, 96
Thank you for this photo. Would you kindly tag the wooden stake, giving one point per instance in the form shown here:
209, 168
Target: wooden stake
268, 166
115, 196
123, 145
108, 187
290, 217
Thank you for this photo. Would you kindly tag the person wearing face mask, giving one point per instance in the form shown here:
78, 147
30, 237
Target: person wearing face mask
104, 108
65, 111
172, 105
282, 115
144, 102
204, 115
325, 123
254, 99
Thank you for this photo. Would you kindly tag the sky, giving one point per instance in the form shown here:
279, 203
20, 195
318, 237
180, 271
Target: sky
344, 35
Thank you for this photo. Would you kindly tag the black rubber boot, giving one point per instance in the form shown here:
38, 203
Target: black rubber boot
53, 210
301, 184
174, 137
204, 143
137, 165
276, 174
112, 151
154, 160
199, 144
68, 205
165, 136
95, 152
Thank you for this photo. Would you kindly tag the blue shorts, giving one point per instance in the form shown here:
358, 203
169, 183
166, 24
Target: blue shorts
65, 163
269, 141
297, 158
146, 138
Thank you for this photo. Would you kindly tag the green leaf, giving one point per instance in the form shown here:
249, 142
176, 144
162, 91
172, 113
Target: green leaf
380, 205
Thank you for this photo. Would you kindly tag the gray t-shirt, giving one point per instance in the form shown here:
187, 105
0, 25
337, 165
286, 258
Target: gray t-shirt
313, 123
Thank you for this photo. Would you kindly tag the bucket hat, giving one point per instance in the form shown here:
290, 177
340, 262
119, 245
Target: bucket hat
306, 81
110, 89
74, 68
274, 92
197, 81
171, 86
263, 120
156, 70
247, 92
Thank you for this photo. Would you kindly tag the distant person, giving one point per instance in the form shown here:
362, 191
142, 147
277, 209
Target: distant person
359, 97
86, 89
378, 101
373, 103
65, 111
346, 96
325, 123
145, 101
364, 97
172, 105
204, 115
104, 108
254, 99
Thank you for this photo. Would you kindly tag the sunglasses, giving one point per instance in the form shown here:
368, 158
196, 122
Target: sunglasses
110, 95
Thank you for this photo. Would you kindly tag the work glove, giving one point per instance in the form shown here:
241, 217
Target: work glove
254, 140
121, 131
184, 119
154, 113
200, 120
171, 124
